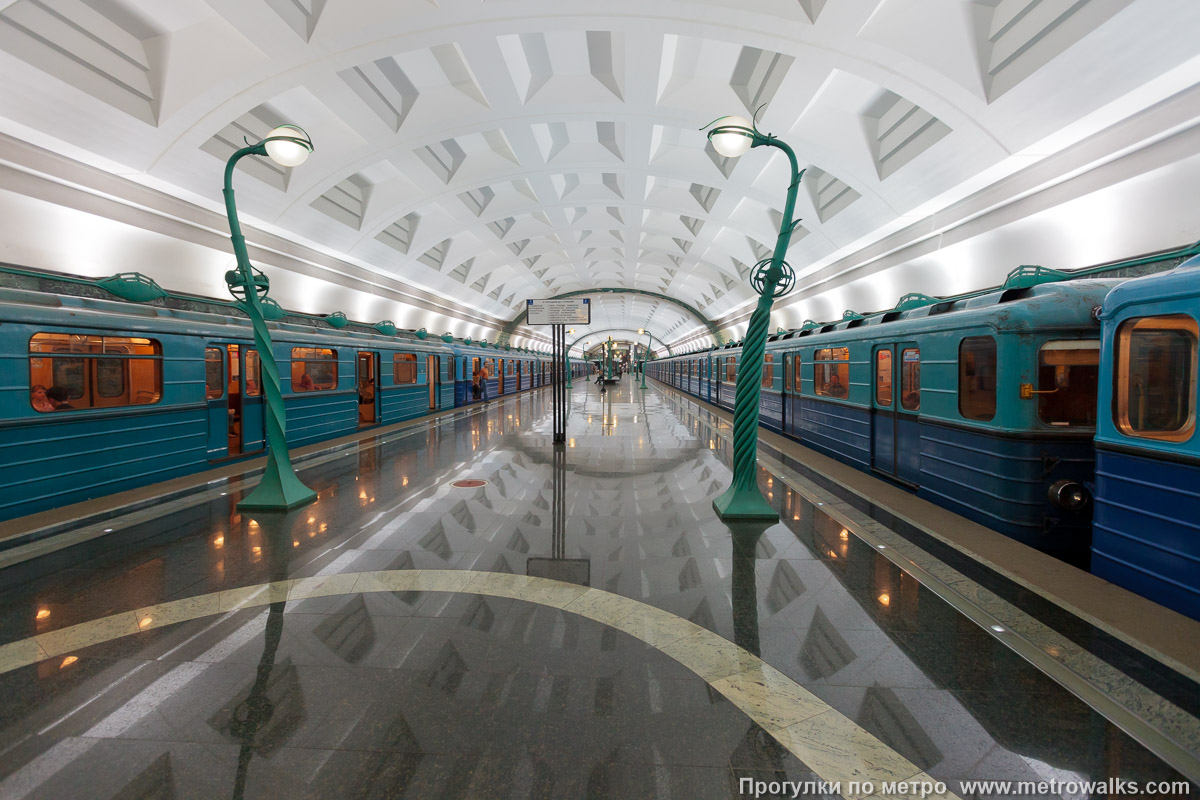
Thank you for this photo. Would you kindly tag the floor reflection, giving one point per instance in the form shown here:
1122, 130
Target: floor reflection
426, 694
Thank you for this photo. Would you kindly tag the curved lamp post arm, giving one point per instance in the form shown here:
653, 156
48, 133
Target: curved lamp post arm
771, 278
280, 489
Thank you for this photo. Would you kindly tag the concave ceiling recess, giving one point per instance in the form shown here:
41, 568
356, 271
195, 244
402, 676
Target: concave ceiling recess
473, 154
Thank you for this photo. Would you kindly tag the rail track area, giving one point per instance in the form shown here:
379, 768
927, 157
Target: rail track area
464, 613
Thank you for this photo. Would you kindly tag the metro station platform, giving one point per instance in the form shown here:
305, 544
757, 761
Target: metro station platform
575, 626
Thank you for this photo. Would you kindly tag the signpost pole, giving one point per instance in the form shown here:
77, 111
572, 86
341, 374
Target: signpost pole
558, 313
560, 385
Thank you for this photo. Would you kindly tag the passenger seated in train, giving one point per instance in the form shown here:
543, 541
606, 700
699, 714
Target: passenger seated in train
37, 397
834, 388
366, 392
59, 398
306, 383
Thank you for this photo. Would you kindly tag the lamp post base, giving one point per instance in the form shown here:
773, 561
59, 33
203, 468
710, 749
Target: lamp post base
274, 494
743, 504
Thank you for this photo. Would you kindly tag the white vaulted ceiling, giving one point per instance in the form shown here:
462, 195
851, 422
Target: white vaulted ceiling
471, 154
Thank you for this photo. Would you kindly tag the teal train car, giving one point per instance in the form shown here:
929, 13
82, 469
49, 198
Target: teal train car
1147, 520
984, 404
100, 395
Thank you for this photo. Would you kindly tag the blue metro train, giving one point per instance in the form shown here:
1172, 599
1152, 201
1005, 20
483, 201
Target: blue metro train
99, 396
1013, 407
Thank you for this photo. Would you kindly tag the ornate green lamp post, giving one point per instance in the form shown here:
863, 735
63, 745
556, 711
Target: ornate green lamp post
279, 488
645, 353
771, 278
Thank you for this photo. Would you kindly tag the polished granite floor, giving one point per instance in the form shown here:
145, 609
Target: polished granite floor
439, 694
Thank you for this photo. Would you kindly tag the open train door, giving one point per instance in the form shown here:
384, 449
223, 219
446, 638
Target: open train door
433, 377
366, 375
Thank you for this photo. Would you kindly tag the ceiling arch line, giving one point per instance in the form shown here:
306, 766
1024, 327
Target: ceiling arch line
603, 331
512, 325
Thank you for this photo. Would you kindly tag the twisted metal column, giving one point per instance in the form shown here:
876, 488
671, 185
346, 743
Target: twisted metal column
772, 278
279, 488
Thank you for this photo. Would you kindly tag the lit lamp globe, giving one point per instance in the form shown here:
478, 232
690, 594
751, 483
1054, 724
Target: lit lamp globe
731, 144
288, 145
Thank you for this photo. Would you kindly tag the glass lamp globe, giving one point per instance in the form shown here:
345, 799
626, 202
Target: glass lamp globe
286, 153
731, 145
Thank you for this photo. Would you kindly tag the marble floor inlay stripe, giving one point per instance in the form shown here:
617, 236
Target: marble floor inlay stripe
833, 746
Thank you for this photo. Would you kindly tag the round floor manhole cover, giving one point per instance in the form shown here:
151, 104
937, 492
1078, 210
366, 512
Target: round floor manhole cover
468, 483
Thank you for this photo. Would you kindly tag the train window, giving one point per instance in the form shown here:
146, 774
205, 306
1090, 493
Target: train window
81, 371
314, 369
110, 377
404, 368
253, 374
1156, 378
883, 377
796, 375
214, 373
910, 379
768, 370
1068, 374
830, 378
508, 367
977, 378
731, 370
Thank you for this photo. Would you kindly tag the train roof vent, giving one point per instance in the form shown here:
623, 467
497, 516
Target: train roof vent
1028, 275
849, 315
809, 325
941, 308
133, 286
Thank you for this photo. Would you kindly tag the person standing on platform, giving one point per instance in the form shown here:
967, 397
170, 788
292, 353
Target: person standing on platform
484, 374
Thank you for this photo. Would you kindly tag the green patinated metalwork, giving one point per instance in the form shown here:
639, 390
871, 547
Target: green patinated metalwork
915, 300
1027, 275
272, 310
507, 331
133, 286
771, 278
279, 488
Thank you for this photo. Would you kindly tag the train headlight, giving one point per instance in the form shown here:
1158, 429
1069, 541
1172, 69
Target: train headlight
1069, 494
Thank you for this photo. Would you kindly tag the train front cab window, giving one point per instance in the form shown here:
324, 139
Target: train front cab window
1155, 392
831, 372
82, 371
1068, 377
233, 391
977, 378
